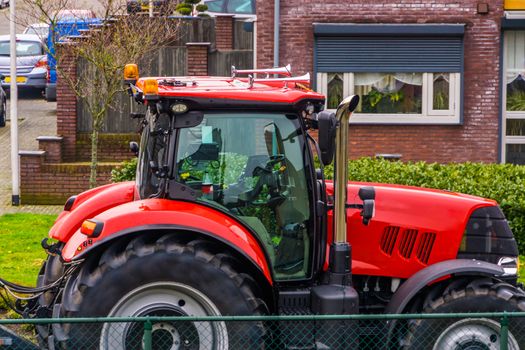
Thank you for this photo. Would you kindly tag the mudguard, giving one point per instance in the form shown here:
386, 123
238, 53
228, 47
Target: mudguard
161, 214
426, 276
88, 204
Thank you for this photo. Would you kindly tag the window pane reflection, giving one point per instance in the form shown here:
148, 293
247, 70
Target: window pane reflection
388, 93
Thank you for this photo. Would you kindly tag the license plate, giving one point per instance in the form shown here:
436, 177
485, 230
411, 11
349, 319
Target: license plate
18, 79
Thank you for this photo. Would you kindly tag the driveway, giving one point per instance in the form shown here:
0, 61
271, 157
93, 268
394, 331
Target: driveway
36, 118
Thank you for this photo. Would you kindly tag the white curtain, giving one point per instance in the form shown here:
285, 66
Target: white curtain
386, 82
515, 55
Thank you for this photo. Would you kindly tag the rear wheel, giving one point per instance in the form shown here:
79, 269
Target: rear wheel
482, 295
165, 277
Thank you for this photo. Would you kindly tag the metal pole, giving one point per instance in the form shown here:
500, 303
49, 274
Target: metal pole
151, 8
504, 332
15, 164
276, 29
147, 335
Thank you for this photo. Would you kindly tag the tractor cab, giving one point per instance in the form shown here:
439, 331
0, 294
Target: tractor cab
252, 163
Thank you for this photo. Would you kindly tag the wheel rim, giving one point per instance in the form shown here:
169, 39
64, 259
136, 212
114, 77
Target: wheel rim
165, 299
473, 334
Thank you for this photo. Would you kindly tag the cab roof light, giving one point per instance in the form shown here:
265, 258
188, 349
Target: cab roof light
151, 89
92, 228
131, 73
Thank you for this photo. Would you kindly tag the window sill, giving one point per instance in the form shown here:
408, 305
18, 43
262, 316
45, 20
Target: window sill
403, 119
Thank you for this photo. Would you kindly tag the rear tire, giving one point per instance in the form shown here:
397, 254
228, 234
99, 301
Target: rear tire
165, 277
481, 295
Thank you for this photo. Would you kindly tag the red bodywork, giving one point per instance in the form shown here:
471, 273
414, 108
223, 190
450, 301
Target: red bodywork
412, 228
415, 212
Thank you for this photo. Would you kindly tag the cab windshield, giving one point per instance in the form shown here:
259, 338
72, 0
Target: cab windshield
252, 166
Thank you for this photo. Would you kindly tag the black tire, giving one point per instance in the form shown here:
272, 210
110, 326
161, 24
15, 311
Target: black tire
126, 275
480, 295
50, 272
3, 116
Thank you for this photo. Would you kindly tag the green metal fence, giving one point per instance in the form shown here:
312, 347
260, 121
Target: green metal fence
467, 331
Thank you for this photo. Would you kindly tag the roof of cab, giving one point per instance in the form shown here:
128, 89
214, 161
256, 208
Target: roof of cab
284, 91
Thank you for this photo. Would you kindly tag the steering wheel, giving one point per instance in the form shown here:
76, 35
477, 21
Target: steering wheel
269, 177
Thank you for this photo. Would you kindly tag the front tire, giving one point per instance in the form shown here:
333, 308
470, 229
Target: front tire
482, 295
164, 277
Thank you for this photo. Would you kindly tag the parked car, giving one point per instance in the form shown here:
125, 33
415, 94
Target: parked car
3, 104
31, 61
4, 3
238, 7
70, 24
40, 29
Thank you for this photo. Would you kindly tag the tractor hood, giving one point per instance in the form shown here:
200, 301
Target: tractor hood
89, 204
412, 228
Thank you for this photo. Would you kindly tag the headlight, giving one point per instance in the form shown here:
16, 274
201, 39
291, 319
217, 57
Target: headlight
510, 265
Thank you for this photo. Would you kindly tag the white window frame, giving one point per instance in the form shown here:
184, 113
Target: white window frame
428, 115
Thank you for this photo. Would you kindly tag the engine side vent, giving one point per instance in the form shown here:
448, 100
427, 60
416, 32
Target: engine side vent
408, 240
425, 246
388, 239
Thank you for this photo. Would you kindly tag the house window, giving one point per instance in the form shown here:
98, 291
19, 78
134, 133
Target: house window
404, 73
429, 98
514, 98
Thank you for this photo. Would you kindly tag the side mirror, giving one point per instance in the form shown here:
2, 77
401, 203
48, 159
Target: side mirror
367, 195
327, 123
134, 148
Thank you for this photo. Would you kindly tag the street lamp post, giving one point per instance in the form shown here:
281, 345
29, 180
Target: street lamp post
15, 163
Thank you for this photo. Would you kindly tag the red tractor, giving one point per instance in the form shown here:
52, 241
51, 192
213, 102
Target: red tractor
230, 214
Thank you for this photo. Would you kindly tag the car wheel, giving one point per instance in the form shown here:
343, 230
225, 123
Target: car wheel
3, 115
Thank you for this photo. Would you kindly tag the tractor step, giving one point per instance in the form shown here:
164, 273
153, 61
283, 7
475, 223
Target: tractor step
10, 340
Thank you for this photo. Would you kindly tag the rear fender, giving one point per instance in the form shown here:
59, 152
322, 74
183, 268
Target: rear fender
88, 204
434, 273
153, 215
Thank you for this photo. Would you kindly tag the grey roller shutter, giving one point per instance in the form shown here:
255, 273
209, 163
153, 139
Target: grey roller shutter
358, 51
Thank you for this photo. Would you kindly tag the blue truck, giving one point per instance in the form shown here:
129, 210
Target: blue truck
70, 26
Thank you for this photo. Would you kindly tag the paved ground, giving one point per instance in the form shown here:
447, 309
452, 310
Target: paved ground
36, 118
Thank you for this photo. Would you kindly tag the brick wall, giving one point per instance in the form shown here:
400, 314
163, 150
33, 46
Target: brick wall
67, 103
197, 59
476, 140
111, 147
224, 32
53, 183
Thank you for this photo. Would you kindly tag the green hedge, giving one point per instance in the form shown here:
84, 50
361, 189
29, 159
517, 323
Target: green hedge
504, 183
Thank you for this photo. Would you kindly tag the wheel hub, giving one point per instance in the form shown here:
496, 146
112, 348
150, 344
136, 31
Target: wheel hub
473, 334
165, 299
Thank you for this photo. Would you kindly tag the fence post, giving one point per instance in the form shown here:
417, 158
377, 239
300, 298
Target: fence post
504, 332
147, 335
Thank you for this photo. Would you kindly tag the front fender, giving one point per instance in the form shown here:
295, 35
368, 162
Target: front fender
426, 276
88, 204
160, 214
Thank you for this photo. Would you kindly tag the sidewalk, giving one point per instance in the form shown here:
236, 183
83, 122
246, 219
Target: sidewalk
36, 118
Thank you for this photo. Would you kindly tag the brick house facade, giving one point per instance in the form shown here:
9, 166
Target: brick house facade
475, 138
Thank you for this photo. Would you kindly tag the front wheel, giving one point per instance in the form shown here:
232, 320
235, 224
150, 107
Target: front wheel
482, 295
165, 277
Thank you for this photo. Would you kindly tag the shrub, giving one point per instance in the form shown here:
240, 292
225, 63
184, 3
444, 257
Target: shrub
125, 171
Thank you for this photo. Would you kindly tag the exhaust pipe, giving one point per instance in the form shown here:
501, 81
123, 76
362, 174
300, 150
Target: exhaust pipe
344, 111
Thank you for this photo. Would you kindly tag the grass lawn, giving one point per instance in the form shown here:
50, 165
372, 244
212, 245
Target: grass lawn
20, 252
